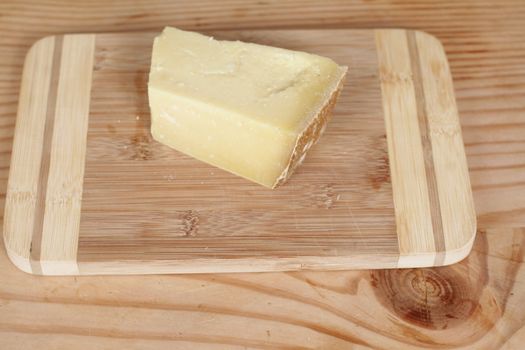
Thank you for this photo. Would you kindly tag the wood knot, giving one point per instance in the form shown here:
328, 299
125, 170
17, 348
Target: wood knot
17, 196
378, 171
111, 129
100, 58
327, 197
387, 76
141, 147
432, 298
190, 223
141, 80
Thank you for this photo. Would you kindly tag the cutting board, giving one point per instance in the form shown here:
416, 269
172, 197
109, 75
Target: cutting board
90, 191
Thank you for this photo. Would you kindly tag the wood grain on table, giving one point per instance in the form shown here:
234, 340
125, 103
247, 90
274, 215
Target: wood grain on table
478, 303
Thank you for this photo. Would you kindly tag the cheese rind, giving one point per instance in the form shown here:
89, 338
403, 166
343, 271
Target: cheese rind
250, 109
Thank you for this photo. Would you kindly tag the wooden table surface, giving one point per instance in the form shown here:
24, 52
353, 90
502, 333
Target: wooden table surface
476, 304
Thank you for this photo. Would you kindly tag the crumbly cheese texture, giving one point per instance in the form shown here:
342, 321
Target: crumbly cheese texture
250, 109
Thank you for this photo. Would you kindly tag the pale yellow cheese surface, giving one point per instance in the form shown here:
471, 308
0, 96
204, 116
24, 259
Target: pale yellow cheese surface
238, 106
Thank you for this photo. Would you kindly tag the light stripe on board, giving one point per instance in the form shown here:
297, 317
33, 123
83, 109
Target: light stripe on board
44, 161
24, 173
426, 142
450, 163
67, 157
405, 150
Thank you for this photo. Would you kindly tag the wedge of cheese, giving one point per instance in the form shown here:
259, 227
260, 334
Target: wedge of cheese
250, 109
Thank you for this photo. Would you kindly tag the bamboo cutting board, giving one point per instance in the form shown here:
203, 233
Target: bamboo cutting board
90, 192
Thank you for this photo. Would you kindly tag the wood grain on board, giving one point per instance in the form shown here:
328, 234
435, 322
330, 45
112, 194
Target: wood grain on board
324, 310
107, 198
